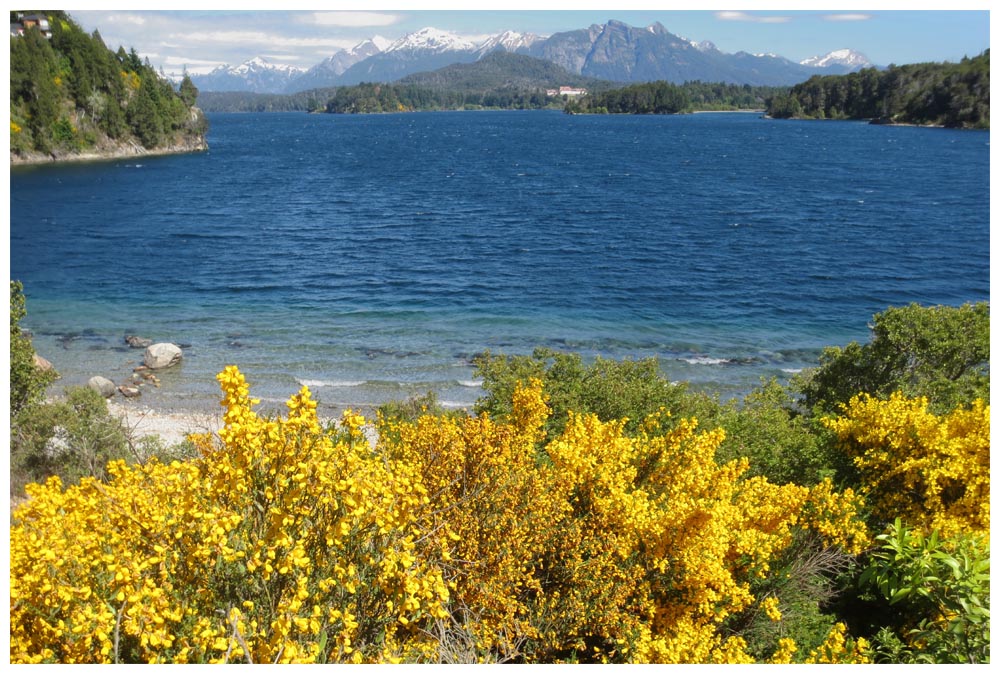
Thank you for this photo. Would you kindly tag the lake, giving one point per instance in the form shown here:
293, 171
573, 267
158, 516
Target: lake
372, 256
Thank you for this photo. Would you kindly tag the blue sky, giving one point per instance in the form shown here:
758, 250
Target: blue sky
200, 40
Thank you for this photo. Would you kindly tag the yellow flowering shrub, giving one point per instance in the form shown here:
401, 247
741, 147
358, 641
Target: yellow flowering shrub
280, 544
602, 546
932, 471
451, 539
131, 79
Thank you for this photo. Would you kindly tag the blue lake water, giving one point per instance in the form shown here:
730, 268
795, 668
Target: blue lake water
372, 256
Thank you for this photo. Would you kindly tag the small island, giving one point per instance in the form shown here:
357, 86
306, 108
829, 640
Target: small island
72, 98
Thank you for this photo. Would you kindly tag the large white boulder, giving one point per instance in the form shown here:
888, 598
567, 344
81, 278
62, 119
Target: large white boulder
102, 385
164, 354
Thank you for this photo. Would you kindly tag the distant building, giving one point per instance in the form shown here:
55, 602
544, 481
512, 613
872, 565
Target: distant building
566, 91
26, 21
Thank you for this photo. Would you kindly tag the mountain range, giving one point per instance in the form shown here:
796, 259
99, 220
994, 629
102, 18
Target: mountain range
613, 51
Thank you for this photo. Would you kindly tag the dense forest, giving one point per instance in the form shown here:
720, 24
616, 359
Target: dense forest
368, 97
246, 101
69, 93
666, 98
944, 94
647, 98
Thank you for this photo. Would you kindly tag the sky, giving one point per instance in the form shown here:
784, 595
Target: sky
199, 40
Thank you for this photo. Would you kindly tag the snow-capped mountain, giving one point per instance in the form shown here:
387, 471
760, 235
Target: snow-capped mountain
614, 51
426, 49
257, 74
326, 72
847, 59
507, 41
430, 40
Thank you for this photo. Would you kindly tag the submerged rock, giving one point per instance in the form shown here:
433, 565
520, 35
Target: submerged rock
162, 355
137, 342
102, 385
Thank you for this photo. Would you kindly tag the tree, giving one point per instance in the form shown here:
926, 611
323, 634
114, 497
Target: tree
188, 91
143, 114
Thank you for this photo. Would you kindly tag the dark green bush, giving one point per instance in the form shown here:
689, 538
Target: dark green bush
939, 352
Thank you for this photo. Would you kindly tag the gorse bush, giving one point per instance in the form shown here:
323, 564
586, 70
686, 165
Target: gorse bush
932, 471
287, 542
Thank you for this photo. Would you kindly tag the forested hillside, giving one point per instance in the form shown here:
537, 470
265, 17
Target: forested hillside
666, 98
944, 94
70, 94
248, 101
503, 70
366, 97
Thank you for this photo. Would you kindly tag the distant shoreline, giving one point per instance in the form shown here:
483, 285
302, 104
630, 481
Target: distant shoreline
700, 112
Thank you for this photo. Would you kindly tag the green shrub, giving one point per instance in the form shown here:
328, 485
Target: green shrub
27, 381
608, 388
71, 438
940, 589
939, 352
781, 444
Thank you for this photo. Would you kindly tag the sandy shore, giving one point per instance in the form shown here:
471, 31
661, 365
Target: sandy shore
172, 427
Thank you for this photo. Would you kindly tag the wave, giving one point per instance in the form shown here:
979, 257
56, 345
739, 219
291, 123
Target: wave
705, 360
470, 383
336, 383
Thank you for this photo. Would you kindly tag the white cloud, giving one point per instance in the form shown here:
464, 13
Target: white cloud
847, 17
743, 16
118, 17
280, 57
182, 61
349, 19
222, 38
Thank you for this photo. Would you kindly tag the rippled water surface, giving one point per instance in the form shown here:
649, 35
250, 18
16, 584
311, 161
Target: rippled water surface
372, 256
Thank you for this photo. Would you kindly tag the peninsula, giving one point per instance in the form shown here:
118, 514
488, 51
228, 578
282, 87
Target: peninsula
72, 98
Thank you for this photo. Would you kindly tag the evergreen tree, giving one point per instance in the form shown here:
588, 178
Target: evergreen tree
188, 91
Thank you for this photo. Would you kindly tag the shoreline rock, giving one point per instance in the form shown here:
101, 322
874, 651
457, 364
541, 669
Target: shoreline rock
102, 385
162, 355
118, 151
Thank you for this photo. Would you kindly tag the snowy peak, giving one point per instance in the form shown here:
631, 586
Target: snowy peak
847, 58
430, 40
259, 64
256, 74
508, 41
375, 45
